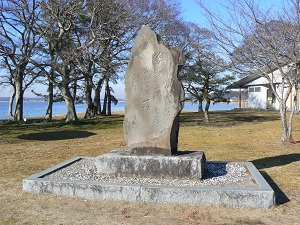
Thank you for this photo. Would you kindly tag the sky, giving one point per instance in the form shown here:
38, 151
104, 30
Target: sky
190, 12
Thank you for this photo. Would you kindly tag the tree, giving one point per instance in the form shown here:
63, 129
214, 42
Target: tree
74, 40
17, 46
59, 22
117, 26
258, 41
204, 77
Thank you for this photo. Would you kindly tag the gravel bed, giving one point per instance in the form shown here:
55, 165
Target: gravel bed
216, 175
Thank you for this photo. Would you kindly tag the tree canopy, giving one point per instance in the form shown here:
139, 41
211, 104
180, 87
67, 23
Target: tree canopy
204, 75
259, 41
69, 43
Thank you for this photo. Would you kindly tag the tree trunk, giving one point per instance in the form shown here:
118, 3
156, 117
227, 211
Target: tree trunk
11, 102
240, 98
104, 105
90, 112
282, 96
49, 112
206, 115
97, 102
294, 106
18, 115
74, 90
200, 105
71, 111
108, 98
97, 99
284, 124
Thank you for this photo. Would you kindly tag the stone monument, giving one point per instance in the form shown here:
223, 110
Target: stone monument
154, 99
154, 96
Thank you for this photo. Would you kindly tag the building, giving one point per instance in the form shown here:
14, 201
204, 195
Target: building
260, 94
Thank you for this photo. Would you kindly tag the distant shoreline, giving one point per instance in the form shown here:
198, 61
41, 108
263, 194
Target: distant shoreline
38, 108
41, 100
26, 101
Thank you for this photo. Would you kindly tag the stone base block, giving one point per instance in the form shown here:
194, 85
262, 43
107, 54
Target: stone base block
185, 165
261, 196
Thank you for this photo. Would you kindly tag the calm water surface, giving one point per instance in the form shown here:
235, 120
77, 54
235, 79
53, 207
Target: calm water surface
32, 109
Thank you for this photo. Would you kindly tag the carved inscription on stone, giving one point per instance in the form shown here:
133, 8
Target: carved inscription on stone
154, 95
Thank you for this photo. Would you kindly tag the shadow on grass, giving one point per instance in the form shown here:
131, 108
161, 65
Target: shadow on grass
280, 197
99, 122
56, 135
269, 162
276, 161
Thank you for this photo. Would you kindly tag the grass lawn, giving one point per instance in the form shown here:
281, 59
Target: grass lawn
251, 136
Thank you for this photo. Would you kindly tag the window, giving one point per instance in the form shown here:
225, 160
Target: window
255, 89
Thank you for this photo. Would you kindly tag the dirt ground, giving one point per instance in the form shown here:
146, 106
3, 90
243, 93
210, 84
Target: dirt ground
32, 148
19, 207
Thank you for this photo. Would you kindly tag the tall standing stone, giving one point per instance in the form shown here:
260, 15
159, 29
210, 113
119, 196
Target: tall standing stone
154, 96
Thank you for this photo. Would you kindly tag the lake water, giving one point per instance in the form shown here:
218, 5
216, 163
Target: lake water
32, 109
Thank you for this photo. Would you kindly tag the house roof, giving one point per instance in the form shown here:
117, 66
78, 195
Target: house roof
243, 83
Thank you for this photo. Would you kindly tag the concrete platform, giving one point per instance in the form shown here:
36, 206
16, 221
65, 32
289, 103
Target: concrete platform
260, 197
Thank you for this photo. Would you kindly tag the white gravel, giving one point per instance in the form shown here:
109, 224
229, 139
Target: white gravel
216, 175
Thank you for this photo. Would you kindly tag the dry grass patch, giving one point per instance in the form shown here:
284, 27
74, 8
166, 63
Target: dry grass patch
232, 136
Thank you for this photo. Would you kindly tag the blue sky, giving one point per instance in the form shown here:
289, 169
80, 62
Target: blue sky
190, 12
